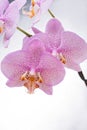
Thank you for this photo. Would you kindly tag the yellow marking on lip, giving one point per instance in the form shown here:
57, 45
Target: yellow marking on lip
31, 13
62, 58
31, 81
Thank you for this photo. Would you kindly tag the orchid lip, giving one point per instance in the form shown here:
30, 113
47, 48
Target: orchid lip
32, 80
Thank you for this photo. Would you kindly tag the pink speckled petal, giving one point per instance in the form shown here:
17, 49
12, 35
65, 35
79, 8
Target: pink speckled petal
19, 61
52, 37
51, 70
3, 5
15, 64
54, 27
15, 82
36, 30
35, 49
53, 32
47, 89
50, 41
74, 49
72, 65
27, 41
11, 23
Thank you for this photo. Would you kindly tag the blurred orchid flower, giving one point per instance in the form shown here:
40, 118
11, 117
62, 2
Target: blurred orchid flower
67, 46
37, 8
9, 17
33, 68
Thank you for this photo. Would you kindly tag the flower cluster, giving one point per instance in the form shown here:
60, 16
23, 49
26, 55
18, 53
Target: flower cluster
40, 62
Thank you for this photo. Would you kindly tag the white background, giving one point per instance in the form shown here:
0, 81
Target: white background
66, 109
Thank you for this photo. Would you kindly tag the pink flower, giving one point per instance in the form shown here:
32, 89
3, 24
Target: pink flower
67, 46
9, 17
33, 68
37, 8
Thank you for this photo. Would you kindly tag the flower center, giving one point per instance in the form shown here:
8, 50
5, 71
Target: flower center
32, 81
34, 9
62, 58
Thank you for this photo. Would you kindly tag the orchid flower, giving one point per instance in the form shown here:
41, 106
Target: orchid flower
9, 17
33, 68
37, 8
67, 46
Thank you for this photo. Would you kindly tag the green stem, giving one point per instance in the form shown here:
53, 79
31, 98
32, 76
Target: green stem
51, 13
21, 30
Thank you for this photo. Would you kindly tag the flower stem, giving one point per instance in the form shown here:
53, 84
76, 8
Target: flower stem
51, 13
82, 77
21, 30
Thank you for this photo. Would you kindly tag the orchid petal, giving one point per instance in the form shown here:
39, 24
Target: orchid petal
15, 82
50, 41
20, 3
51, 70
41, 36
73, 48
30, 43
11, 23
3, 6
47, 89
35, 49
54, 27
27, 41
15, 64
36, 30
52, 37
72, 65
